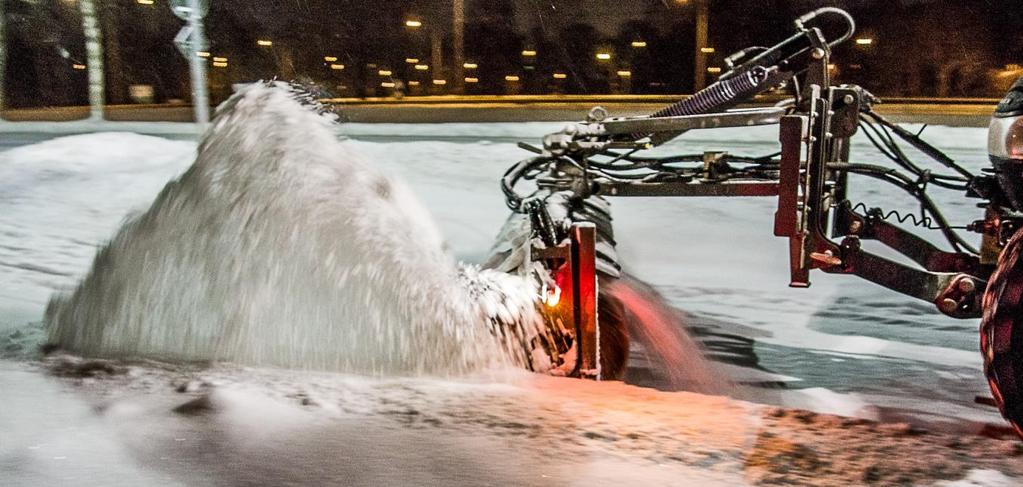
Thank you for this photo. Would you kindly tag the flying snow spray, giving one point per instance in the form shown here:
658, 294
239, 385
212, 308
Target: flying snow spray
280, 246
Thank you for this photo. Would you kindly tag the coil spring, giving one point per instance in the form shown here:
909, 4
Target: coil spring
717, 95
915, 220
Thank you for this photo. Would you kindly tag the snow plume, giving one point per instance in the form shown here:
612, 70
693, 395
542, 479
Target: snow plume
279, 246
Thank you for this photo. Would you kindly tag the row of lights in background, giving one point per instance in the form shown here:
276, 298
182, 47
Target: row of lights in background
218, 61
473, 79
414, 23
603, 56
221, 62
332, 62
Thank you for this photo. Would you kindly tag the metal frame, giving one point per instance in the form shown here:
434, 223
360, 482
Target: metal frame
810, 177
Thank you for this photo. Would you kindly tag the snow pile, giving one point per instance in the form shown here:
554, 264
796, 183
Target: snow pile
280, 246
62, 197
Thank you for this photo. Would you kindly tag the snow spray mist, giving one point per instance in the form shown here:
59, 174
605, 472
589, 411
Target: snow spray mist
280, 246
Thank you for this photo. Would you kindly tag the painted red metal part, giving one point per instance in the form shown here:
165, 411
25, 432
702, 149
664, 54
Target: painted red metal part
786, 223
584, 294
786, 219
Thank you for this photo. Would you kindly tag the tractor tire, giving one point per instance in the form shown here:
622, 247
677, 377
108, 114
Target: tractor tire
1001, 333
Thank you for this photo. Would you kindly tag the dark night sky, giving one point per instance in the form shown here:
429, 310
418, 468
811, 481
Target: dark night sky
966, 38
607, 15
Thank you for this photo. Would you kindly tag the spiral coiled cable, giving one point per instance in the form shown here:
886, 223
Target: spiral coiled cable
716, 96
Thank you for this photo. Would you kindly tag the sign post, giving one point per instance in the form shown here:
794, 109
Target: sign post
190, 41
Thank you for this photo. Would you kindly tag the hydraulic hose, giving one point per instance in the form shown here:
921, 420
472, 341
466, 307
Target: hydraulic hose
850, 23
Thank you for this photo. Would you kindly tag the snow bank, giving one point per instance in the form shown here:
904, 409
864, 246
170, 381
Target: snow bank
62, 197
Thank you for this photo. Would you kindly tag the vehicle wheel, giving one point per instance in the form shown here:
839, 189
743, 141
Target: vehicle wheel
1001, 333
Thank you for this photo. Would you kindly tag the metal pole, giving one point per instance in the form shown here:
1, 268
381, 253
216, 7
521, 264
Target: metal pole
700, 66
458, 39
94, 59
436, 53
197, 65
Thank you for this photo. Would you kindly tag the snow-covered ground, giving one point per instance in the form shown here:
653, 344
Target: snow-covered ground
843, 346
713, 258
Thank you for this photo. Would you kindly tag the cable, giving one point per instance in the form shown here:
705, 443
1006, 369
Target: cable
920, 144
851, 23
885, 143
907, 184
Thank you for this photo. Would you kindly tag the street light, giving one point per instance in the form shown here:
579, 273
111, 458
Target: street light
707, 50
560, 75
469, 65
511, 77
264, 43
472, 80
413, 24
411, 60
864, 41
638, 43
337, 67
330, 59
384, 72
603, 56
529, 53
422, 67
624, 73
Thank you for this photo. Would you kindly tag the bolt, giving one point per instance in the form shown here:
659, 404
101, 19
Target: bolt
966, 285
817, 53
948, 305
849, 99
